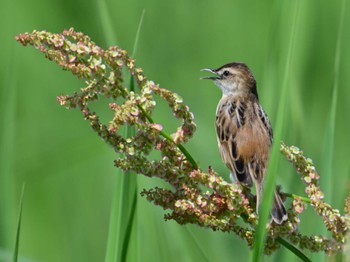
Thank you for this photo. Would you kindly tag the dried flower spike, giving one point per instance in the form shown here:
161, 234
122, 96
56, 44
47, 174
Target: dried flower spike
197, 197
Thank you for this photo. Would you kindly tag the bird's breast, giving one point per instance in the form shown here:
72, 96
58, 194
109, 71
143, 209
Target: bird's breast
238, 122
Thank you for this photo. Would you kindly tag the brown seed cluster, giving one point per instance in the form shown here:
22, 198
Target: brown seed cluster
335, 222
196, 197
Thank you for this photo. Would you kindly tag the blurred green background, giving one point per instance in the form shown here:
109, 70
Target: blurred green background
68, 171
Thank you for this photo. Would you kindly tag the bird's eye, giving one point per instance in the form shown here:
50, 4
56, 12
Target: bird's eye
226, 73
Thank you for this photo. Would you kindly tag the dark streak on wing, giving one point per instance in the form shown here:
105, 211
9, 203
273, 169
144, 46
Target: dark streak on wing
234, 149
223, 121
241, 115
231, 117
265, 120
257, 169
241, 171
231, 109
222, 135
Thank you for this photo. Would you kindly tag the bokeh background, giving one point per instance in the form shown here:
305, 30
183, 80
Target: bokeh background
68, 171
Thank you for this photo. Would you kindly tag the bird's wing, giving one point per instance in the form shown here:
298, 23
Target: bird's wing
230, 118
265, 121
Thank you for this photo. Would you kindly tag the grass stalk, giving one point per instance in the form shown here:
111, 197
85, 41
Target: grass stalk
195, 244
114, 234
293, 249
275, 154
169, 138
125, 203
328, 146
293, 196
330, 131
18, 233
106, 22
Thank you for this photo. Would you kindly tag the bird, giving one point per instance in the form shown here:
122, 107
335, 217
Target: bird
244, 132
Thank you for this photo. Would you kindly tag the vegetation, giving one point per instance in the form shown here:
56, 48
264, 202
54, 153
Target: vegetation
69, 174
195, 197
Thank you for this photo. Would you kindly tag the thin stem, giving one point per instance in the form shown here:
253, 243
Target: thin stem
138, 34
129, 224
286, 244
164, 134
271, 173
293, 249
16, 250
169, 138
293, 196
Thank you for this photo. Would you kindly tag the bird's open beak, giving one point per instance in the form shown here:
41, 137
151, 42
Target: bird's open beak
211, 71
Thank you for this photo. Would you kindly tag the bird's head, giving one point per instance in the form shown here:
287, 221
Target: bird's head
233, 78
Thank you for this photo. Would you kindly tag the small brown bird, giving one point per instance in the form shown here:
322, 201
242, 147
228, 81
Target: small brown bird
244, 131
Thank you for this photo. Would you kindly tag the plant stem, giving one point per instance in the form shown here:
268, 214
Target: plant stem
271, 173
293, 196
169, 138
16, 250
293, 249
162, 133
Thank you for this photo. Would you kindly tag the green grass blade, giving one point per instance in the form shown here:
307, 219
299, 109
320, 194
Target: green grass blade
194, 243
130, 222
138, 34
18, 233
271, 174
328, 146
113, 233
132, 83
128, 203
124, 204
293, 249
330, 133
129, 185
106, 23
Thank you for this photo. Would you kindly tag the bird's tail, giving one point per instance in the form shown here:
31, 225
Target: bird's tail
278, 212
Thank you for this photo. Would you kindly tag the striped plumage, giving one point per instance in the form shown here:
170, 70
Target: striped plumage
244, 131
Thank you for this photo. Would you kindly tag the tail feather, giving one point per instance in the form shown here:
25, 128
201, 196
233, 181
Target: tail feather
278, 212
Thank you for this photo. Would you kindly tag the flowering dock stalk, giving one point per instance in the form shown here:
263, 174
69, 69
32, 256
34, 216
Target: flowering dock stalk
197, 196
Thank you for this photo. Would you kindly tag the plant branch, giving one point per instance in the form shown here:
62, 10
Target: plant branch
196, 196
293, 249
293, 196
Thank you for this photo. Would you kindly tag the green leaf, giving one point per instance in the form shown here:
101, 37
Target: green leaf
125, 201
293, 249
272, 171
15, 253
328, 145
